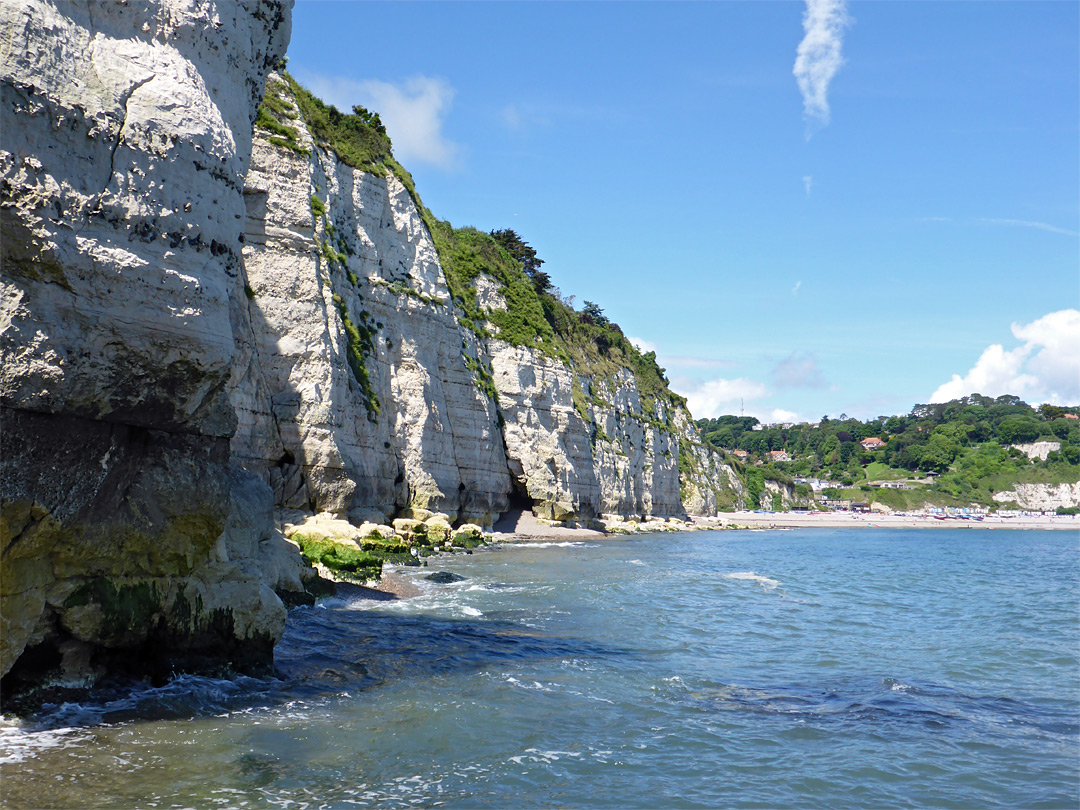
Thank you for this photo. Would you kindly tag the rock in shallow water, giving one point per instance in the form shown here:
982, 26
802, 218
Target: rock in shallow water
444, 578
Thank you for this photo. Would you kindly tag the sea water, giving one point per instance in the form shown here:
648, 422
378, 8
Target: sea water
747, 669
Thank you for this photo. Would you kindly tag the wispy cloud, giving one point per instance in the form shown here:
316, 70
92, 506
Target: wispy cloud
413, 111
717, 397
781, 415
511, 117
1023, 223
795, 289
524, 115
684, 361
808, 183
675, 360
1045, 367
1008, 223
798, 370
818, 57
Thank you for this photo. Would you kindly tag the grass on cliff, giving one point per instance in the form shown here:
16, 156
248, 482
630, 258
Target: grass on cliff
273, 108
541, 321
532, 318
358, 139
360, 344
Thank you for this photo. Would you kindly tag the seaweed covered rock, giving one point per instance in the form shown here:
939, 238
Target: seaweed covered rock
468, 536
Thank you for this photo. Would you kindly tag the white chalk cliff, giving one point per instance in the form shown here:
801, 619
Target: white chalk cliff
195, 330
125, 142
326, 243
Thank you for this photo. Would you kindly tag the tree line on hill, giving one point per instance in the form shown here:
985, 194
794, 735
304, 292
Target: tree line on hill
968, 441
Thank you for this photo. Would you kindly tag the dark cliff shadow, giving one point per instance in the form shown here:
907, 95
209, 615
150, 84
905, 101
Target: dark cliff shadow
327, 650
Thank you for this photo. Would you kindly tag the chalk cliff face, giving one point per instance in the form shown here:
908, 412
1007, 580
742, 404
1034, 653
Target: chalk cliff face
1041, 496
125, 140
193, 333
409, 429
336, 256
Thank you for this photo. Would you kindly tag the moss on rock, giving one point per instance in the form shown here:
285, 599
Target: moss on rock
343, 559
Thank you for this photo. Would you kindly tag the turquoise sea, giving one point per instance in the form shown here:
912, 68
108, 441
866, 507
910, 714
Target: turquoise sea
746, 669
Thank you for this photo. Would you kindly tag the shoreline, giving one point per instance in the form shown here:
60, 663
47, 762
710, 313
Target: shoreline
526, 529
843, 520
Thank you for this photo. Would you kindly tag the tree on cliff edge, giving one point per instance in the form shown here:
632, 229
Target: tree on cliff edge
525, 255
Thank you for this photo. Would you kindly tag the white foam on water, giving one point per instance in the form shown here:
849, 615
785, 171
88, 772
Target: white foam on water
538, 755
535, 686
471, 611
897, 686
19, 744
636, 562
765, 582
551, 543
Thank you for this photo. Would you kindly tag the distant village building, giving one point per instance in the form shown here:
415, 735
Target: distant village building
1071, 416
739, 453
872, 443
860, 507
779, 455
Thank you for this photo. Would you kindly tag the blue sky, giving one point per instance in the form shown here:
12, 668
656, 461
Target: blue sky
904, 224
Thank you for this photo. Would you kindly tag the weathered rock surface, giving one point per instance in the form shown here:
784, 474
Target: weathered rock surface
411, 430
1041, 496
125, 141
332, 249
1039, 450
194, 334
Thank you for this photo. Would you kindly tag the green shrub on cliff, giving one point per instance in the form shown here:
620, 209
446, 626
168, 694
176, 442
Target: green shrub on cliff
358, 139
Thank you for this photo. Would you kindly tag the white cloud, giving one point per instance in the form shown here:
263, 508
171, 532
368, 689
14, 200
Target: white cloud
1009, 223
808, 183
798, 370
720, 396
739, 396
1045, 367
642, 346
780, 415
795, 289
818, 57
413, 111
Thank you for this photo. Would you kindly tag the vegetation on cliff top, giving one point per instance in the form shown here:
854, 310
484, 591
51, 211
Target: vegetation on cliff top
536, 315
273, 108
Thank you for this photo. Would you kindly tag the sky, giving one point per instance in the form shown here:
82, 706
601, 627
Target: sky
805, 208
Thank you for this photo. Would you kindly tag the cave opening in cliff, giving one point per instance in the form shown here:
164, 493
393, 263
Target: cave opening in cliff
519, 499
518, 503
